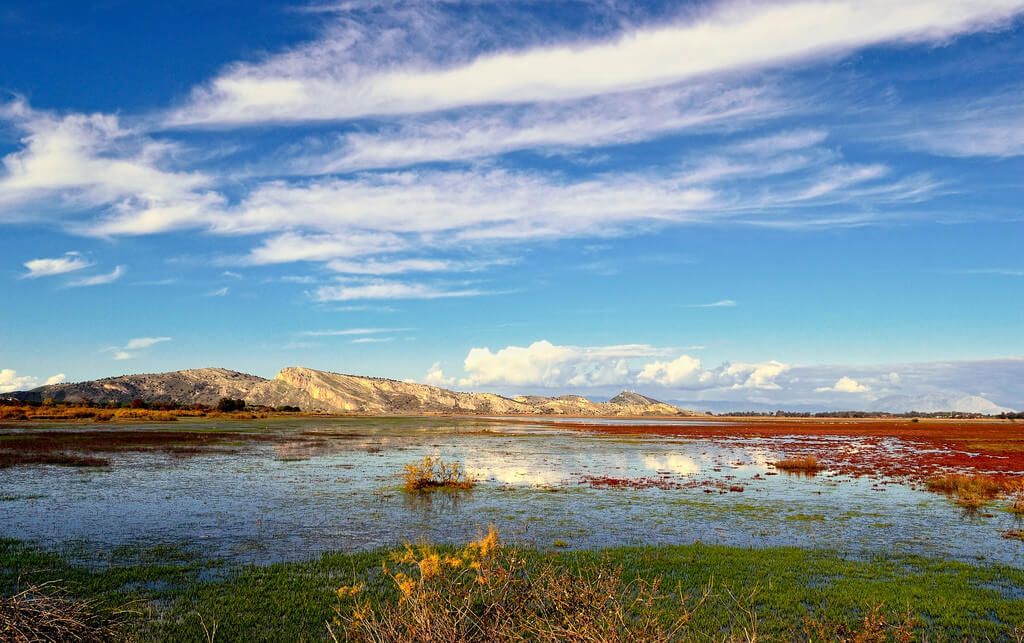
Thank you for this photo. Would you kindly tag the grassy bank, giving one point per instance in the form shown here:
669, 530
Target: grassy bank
778, 593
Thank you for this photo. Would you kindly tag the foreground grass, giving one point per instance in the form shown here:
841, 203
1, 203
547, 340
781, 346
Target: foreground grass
777, 592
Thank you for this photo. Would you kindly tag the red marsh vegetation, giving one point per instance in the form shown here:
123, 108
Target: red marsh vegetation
877, 447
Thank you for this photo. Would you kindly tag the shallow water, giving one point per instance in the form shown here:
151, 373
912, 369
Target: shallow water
539, 484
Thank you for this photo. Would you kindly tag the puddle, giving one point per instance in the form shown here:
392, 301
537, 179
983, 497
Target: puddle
313, 485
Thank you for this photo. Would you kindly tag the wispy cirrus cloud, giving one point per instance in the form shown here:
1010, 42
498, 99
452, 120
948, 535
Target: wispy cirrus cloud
352, 331
98, 280
721, 303
333, 79
384, 289
133, 347
594, 122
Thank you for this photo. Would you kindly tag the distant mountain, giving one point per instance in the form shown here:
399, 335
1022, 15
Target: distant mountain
932, 403
313, 390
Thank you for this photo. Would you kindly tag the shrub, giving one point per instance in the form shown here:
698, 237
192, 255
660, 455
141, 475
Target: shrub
229, 405
435, 473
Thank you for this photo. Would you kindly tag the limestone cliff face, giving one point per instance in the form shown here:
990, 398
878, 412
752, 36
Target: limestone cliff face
376, 395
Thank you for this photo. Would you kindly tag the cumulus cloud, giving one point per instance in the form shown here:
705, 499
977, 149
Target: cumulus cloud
546, 365
844, 385
98, 280
682, 371
435, 376
11, 381
70, 262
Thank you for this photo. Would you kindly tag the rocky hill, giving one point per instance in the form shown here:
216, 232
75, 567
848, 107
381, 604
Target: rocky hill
199, 385
313, 390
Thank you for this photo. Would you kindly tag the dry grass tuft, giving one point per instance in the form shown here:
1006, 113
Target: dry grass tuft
488, 592
804, 463
44, 613
435, 473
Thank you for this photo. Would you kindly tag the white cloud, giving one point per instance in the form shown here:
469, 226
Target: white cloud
396, 267
128, 351
756, 376
327, 79
98, 280
380, 289
585, 123
546, 365
352, 331
684, 371
844, 385
144, 342
372, 340
10, 381
292, 246
219, 292
992, 126
70, 262
84, 161
721, 303
541, 364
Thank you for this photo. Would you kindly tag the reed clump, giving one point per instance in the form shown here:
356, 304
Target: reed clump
435, 473
803, 463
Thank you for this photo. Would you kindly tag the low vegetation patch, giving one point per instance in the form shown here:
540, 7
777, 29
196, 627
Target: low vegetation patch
975, 490
803, 463
44, 613
771, 594
435, 473
488, 592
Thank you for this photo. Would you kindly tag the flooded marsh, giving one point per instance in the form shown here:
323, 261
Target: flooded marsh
287, 489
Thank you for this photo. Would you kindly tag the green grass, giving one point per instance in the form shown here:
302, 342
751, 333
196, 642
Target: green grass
174, 597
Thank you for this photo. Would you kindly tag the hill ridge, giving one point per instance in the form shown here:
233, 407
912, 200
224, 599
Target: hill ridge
326, 391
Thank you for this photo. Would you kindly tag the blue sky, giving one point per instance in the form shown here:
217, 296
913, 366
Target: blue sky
793, 204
